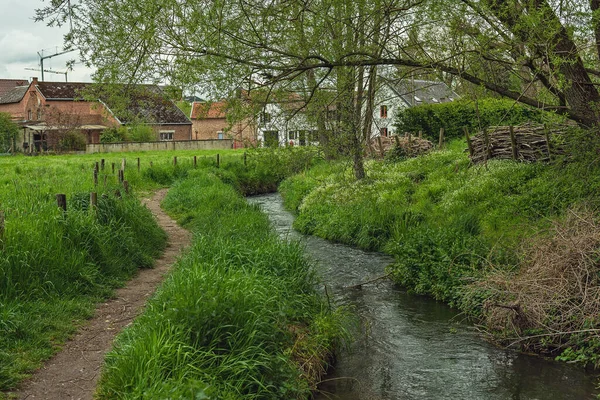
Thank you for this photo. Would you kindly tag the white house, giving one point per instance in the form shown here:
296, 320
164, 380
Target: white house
280, 125
395, 95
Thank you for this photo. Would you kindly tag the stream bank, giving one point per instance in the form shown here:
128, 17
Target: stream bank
413, 347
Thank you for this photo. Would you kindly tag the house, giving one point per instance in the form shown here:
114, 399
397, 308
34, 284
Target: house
393, 96
48, 110
210, 121
285, 122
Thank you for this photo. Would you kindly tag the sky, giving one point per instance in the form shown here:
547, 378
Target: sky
21, 38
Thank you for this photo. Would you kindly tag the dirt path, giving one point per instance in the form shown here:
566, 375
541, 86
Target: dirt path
74, 372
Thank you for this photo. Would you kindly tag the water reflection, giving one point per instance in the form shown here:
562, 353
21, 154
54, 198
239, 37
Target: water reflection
412, 347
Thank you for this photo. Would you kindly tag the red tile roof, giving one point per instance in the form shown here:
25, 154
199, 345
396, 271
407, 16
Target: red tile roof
6, 85
209, 110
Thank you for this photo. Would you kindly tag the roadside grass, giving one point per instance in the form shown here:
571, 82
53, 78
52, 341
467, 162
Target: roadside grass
238, 317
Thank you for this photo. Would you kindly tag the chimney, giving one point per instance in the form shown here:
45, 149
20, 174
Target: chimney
34, 80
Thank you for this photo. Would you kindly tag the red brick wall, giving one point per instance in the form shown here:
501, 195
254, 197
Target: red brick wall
182, 132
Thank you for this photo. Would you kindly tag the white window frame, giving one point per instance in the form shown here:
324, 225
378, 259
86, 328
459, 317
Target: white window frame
166, 136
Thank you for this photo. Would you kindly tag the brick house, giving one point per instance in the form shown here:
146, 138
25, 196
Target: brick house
209, 121
46, 110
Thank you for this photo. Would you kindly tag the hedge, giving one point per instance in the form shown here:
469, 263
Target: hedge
454, 116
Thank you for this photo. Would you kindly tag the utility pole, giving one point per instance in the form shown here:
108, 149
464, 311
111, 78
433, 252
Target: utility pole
42, 58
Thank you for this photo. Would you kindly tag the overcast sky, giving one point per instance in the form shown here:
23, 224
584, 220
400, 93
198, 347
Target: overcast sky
21, 38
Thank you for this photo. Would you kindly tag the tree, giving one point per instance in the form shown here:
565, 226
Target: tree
8, 133
537, 52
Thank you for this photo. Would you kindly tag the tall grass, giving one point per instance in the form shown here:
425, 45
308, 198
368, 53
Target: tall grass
226, 322
444, 220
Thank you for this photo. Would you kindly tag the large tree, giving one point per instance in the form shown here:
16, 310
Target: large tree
542, 53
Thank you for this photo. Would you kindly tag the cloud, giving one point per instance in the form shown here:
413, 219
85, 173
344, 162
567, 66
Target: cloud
21, 38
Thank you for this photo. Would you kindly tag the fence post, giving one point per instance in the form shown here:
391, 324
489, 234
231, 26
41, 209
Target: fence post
96, 166
61, 201
113, 168
93, 201
513, 143
126, 186
1, 225
121, 176
102, 164
175, 160
218, 160
441, 141
195, 161
95, 177
245, 159
469, 144
138, 164
123, 163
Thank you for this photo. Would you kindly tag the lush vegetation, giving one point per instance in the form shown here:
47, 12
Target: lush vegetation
54, 267
8, 132
452, 226
239, 317
474, 115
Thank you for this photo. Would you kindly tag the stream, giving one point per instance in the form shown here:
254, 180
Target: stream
413, 347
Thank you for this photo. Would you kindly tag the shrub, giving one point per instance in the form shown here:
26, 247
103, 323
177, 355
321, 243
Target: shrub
8, 132
72, 141
142, 133
454, 116
114, 135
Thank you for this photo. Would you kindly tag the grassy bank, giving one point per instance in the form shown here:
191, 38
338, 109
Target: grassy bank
55, 266
466, 234
238, 317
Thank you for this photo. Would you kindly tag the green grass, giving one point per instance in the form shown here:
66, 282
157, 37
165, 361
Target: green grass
225, 323
444, 220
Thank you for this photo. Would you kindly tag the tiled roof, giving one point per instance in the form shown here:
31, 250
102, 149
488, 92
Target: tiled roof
145, 102
416, 91
6, 85
209, 110
62, 90
14, 96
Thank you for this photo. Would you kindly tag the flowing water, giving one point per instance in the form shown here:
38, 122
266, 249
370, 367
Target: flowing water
412, 347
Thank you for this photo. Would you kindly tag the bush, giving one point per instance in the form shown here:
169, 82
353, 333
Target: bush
454, 116
72, 141
114, 135
8, 132
142, 133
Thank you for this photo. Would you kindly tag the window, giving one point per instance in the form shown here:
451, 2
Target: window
220, 135
293, 135
29, 115
265, 118
383, 111
39, 114
383, 131
166, 135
